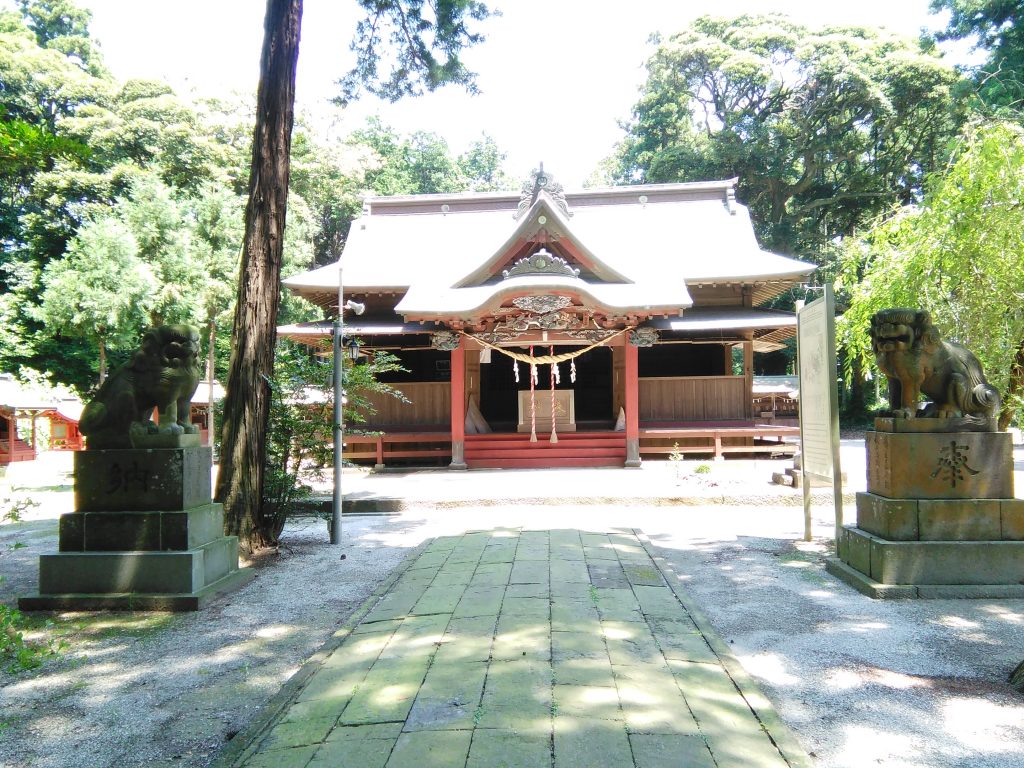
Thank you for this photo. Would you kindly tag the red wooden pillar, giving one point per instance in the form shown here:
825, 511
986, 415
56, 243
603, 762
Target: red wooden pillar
632, 376
458, 407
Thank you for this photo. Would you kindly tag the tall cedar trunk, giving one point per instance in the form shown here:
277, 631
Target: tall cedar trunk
210, 369
103, 361
247, 405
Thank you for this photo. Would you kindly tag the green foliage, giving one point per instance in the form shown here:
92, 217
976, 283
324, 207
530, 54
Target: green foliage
419, 45
824, 128
15, 507
18, 654
960, 256
422, 163
102, 291
996, 26
27, 147
300, 437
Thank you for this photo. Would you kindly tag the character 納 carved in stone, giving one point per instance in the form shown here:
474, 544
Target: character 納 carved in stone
912, 354
162, 374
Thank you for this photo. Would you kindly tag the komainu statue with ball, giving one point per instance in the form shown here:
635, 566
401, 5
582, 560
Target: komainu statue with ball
163, 374
912, 354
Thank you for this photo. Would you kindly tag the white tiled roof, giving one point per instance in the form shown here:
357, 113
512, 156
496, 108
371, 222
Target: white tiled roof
655, 238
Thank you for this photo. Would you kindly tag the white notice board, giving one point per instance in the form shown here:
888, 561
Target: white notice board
819, 402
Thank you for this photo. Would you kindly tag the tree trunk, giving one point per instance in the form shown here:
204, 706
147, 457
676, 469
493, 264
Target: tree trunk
247, 405
210, 358
103, 361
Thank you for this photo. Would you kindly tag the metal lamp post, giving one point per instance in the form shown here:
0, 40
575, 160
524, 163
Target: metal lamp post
339, 396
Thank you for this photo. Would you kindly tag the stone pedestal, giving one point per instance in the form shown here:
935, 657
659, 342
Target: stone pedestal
145, 536
938, 518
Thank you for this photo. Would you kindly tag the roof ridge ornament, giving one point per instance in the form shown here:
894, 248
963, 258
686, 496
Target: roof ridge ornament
541, 263
532, 187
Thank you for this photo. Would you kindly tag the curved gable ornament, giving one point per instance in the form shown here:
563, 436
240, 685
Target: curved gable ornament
541, 263
539, 180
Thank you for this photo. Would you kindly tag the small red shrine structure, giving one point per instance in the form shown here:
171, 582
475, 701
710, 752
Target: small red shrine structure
554, 328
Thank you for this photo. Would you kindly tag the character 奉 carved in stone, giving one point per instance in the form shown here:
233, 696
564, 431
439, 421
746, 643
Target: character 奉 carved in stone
912, 354
163, 374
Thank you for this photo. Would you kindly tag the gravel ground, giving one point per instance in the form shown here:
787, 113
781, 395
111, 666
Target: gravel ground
914, 684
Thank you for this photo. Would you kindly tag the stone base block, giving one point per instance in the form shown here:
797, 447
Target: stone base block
894, 519
941, 519
951, 465
141, 479
920, 424
133, 601
98, 573
931, 563
868, 586
141, 531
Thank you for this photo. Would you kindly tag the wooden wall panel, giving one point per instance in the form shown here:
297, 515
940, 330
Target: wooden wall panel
693, 398
431, 405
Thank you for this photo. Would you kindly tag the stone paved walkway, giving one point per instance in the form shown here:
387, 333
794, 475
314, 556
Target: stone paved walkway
518, 648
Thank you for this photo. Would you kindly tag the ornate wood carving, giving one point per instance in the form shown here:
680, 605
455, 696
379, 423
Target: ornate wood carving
541, 263
446, 341
643, 337
542, 304
539, 180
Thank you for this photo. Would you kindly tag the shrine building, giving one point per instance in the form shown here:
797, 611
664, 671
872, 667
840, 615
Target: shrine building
552, 328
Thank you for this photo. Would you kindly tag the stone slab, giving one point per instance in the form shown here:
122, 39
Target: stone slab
141, 572
937, 562
868, 586
565, 705
140, 602
959, 519
1011, 519
918, 425
894, 519
955, 465
158, 440
141, 531
143, 480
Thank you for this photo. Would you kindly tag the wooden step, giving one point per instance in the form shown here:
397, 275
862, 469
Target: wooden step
542, 445
568, 436
556, 453
544, 462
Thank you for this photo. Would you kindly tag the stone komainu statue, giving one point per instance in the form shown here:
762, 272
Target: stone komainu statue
162, 374
910, 352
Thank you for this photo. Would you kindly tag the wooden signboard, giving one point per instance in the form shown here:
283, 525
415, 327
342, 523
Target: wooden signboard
819, 403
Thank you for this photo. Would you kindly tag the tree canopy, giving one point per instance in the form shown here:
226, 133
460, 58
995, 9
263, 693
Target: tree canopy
959, 255
997, 27
824, 128
83, 151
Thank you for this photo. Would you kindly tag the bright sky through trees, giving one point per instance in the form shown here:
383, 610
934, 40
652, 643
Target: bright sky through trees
556, 75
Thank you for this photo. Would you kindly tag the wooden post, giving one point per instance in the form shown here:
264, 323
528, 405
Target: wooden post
458, 407
748, 376
632, 375
618, 378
